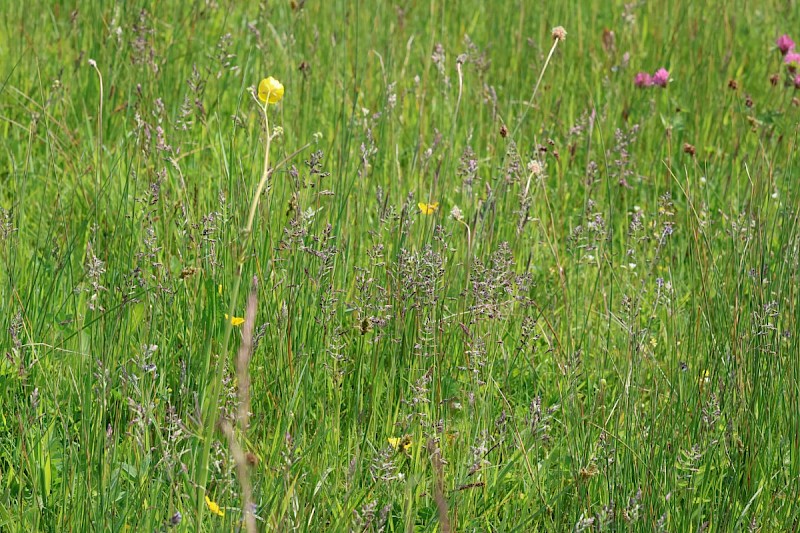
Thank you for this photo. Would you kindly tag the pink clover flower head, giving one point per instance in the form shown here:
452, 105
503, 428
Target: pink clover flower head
643, 79
785, 44
792, 60
796, 81
661, 77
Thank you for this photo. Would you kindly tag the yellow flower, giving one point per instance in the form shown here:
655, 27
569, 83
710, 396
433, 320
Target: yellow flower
400, 443
235, 321
270, 90
213, 507
428, 209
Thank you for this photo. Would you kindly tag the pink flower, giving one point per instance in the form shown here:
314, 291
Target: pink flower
643, 79
785, 44
661, 77
797, 82
792, 59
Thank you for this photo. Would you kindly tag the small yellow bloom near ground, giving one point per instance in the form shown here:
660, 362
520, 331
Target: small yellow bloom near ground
401, 444
235, 321
214, 508
270, 90
428, 209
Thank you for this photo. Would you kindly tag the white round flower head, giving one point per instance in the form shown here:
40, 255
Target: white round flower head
534, 167
456, 213
559, 33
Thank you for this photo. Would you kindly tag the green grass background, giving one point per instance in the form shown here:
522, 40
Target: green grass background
569, 368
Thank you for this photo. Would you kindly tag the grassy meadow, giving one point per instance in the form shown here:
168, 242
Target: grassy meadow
467, 274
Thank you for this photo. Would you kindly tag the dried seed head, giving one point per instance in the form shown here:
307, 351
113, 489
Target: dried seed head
609, 40
534, 167
252, 459
559, 33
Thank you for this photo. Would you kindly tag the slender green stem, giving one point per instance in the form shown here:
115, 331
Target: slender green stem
264, 176
211, 406
99, 146
536, 88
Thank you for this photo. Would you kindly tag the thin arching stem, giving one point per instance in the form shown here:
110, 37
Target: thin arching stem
264, 174
536, 87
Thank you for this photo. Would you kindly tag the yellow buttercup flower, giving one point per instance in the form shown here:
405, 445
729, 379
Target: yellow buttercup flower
214, 508
235, 321
270, 90
401, 444
428, 209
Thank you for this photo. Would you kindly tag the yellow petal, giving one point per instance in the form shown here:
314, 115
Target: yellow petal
270, 90
428, 209
213, 507
400, 443
235, 321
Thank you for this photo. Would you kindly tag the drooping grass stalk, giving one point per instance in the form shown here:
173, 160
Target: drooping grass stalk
556, 39
460, 71
99, 144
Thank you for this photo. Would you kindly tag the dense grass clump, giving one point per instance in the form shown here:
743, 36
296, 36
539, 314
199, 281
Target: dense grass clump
469, 273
